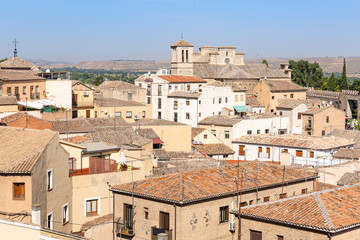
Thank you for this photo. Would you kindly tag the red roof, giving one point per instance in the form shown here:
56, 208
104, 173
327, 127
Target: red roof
181, 79
157, 141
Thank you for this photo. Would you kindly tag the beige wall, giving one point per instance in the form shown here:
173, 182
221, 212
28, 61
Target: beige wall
332, 174
138, 94
209, 140
84, 102
265, 96
9, 108
186, 216
135, 110
27, 84
220, 133
7, 203
175, 137
56, 158
319, 124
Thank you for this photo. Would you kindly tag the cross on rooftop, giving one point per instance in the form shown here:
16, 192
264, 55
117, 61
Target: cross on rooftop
15, 50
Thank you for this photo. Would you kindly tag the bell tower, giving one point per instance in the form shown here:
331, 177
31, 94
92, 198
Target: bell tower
182, 58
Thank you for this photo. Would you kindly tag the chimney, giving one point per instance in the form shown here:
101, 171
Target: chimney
36, 214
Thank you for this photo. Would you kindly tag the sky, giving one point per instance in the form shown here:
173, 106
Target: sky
79, 30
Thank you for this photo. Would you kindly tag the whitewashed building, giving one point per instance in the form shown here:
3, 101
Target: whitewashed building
293, 109
303, 149
60, 92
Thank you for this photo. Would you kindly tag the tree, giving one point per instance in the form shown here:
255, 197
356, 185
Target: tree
307, 74
265, 62
2, 60
331, 83
343, 84
98, 81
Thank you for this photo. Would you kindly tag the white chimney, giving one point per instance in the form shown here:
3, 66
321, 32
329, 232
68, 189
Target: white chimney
36, 214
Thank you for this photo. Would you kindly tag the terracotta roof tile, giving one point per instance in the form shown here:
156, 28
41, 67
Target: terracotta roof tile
290, 103
8, 100
112, 102
206, 183
72, 126
283, 86
196, 131
347, 153
352, 135
181, 79
9, 75
349, 178
182, 43
213, 149
328, 210
16, 62
184, 94
294, 140
253, 101
154, 122
220, 120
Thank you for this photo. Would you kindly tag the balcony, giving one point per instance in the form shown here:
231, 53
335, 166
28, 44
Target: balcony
148, 92
32, 95
124, 230
37, 95
17, 96
156, 231
308, 126
99, 165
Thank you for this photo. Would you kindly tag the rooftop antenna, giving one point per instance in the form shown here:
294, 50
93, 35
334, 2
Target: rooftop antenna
182, 36
15, 50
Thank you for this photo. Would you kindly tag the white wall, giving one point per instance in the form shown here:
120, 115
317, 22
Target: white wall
60, 92
295, 123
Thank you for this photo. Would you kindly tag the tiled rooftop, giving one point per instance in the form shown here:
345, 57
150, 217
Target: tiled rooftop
155, 122
182, 43
283, 86
8, 100
296, 141
207, 183
21, 148
112, 102
213, 149
10, 75
181, 79
220, 120
352, 135
196, 131
184, 94
254, 102
77, 125
16, 62
347, 153
290, 103
349, 178
118, 85
329, 210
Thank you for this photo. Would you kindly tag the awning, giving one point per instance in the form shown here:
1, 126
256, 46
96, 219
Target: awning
157, 141
39, 104
240, 109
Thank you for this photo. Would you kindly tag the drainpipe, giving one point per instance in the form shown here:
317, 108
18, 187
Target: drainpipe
175, 223
329, 236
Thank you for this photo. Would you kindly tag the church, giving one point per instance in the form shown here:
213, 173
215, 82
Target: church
222, 64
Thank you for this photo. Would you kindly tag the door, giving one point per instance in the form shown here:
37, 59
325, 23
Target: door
74, 100
87, 113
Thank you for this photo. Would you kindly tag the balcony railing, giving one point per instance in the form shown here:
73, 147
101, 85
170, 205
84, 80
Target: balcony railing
123, 229
32, 95
308, 126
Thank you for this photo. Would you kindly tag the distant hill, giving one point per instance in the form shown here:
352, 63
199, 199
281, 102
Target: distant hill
328, 64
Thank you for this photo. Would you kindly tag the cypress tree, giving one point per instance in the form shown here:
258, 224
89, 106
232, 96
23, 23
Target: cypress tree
343, 83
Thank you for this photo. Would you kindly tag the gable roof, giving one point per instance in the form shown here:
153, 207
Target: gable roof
254, 102
181, 79
112, 102
283, 86
352, 135
290, 103
182, 43
347, 153
349, 178
196, 131
314, 111
213, 149
206, 183
220, 120
21, 148
77, 125
11, 100
331, 210
295, 141
77, 82
155, 122
103, 123
118, 85
11, 75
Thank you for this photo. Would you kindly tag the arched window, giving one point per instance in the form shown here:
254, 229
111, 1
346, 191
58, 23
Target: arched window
182, 56
187, 55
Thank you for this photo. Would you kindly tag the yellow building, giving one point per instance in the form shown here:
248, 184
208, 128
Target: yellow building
320, 121
82, 100
269, 92
128, 110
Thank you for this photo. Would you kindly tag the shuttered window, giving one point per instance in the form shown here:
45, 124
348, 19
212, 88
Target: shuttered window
241, 150
19, 190
255, 235
299, 153
164, 222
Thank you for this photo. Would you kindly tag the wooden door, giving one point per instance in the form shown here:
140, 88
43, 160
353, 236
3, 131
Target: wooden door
87, 113
255, 235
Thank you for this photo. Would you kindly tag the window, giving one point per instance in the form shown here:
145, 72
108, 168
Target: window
299, 116
219, 113
128, 216
285, 96
176, 87
148, 100
259, 151
236, 98
299, 153
50, 220
285, 150
175, 116
227, 53
279, 237
159, 103
9, 91
226, 100
242, 98
188, 87
199, 114
241, 150
49, 180
117, 114
146, 213
272, 97
272, 110
176, 104
219, 100
72, 163
187, 102
267, 131
309, 133
170, 87
303, 191
24, 90
143, 114
225, 156
159, 90
255, 235
199, 102
213, 131
213, 100
164, 221
280, 113
268, 152
323, 133
266, 199
205, 136
129, 96
187, 115
311, 154
91, 207
65, 213
243, 204
159, 115
283, 195
224, 214
258, 131
128, 114
18, 191
95, 114
327, 119
182, 56
140, 85
227, 134
249, 132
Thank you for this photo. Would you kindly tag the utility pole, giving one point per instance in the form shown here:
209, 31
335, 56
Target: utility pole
239, 204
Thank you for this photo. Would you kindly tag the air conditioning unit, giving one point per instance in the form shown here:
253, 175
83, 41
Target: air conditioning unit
110, 115
232, 226
136, 117
197, 142
86, 93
